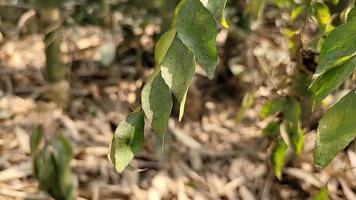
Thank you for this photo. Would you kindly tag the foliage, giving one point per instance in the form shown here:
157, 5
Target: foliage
191, 37
337, 62
51, 165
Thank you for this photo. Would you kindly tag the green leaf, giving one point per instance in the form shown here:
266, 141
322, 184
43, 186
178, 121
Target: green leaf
332, 79
291, 115
196, 28
322, 13
35, 139
338, 48
272, 107
157, 103
351, 16
323, 194
163, 45
177, 69
277, 159
271, 129
335, 2
337, 128
127, 140
62, 153
296, 12
216, 8
284, 3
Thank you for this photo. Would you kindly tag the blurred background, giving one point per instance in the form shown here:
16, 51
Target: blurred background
78, 66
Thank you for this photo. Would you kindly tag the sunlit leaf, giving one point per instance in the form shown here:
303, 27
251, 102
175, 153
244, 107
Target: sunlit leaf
296, 12
277, 159
322, 194
322, 13
284, 3
336, 130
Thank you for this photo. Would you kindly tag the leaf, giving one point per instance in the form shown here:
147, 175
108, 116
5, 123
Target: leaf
272, 107
322, 194
296, 12
271, 129
163, 45
283, 3
291, 115
63, 153
196, 28
338, 48
332, 79
351, 16
157, 103
177, 69
337, 128
216, 8
277, 159
322, 13
35, 139
127, 140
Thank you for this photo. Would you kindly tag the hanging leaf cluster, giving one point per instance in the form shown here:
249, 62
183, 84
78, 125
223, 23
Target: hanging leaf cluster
190, 40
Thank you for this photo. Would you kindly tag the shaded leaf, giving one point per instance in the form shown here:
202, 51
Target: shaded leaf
35, 139
332, 79
351, 16
177, 69
196, 28
127, 140
163, 44
291, 116
336, 130
271, 129
277, 159
216, 8
157, 103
